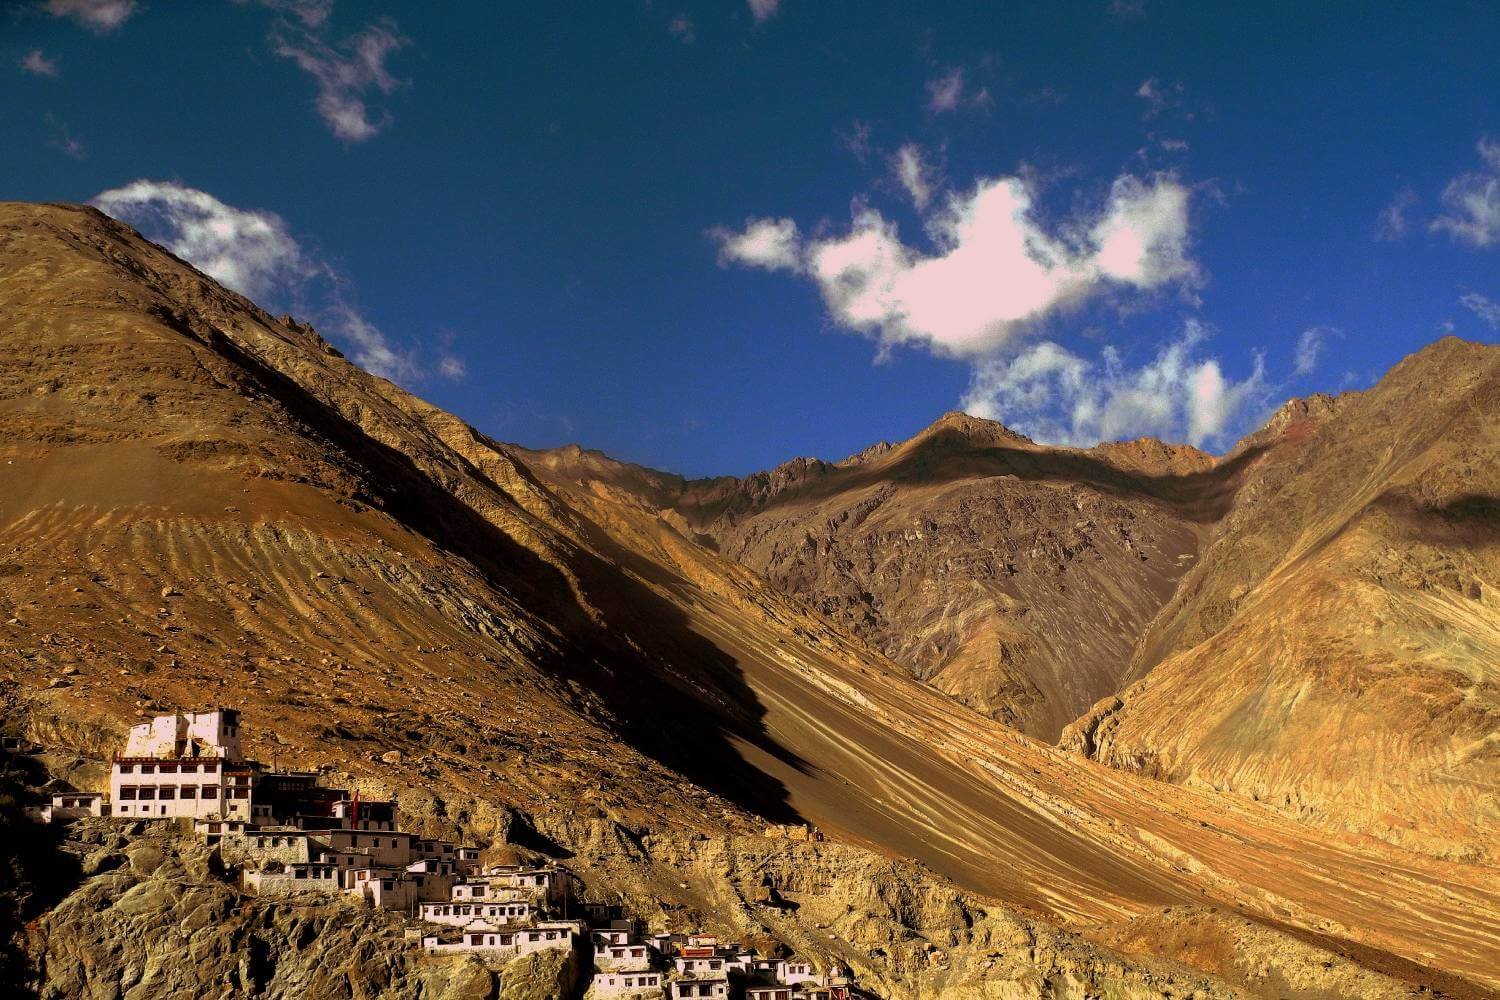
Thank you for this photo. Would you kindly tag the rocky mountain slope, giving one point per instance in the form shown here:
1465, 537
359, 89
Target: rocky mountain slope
204, 504
1336, 649
1329, 582
1013, 576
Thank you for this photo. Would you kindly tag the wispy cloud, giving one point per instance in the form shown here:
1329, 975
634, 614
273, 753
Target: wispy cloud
994, 269
915, 174
312, 13
99, 16
950, 91
254, 252
36, 63
856, 138
62, 139
1127, 10
1392, 224
1163, 99
681, 27
1310, 346
1487, 309
763, 10
347, 72
1058, 397
1471, 201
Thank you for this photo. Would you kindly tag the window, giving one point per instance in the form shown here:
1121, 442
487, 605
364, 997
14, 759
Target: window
167, 792
168, 768
190, 769
189, 791
148, 768
210, 791
211, 767
147, 792
127, 792
127, 768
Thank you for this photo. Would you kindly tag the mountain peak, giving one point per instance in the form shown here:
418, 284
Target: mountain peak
980, 430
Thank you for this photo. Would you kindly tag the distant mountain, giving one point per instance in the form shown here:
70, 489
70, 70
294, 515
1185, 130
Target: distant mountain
1330, 582
203, 504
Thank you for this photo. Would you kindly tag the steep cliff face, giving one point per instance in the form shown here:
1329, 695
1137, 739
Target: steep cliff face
204, 504
1336, 651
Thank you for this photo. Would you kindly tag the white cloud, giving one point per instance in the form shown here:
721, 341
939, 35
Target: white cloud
682, 28
1058, 397
763, 10
346, 73
994, 269
1486, 309
914, 173
101, 16
1472, 201
773, 244
1310, 344
250, 251
254, 252
37, 63
1392, 224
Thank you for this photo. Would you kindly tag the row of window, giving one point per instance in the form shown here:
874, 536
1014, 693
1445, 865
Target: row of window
128, 792
188, 767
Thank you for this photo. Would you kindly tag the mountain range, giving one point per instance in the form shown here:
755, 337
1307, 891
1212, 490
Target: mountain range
1132, 720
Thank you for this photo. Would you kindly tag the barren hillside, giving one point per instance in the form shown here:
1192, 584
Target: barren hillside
1336, 650
203, 504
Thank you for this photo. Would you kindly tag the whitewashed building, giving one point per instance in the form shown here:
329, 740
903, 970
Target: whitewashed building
625, 983
76, 805
714, 989
500, 942
462, 914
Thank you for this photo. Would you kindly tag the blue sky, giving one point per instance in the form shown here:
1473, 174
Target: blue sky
712, 236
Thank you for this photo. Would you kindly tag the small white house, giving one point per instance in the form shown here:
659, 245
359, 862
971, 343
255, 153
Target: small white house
710, 966
76, 805
622, 957
623, 983
716, 989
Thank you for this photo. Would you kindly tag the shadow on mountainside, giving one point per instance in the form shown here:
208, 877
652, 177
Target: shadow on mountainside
35, 873
667, 691
950, 456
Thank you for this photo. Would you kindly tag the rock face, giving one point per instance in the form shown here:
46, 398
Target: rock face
564, 664
1012, 576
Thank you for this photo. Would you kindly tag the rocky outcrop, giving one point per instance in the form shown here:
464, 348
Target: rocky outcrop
156, 917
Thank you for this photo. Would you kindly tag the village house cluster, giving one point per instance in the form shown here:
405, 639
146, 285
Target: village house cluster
287, 835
